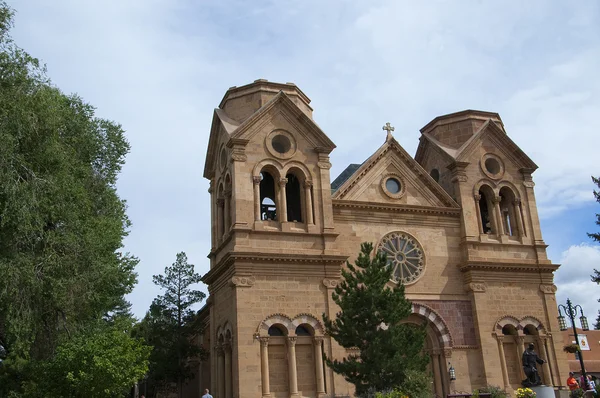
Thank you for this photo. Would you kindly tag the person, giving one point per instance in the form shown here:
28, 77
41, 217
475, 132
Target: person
206, 394
591, 384
571, 382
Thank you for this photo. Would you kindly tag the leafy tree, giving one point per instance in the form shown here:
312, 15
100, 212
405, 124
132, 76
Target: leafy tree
61, 221
169, 326
370, 321
103, 361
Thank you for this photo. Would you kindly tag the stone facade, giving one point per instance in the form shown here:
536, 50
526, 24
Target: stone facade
459, 223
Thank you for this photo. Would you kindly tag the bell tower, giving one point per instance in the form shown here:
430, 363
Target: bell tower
272, 224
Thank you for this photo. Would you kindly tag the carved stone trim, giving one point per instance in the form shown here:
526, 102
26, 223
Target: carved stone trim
529, 184
318, 340
220, 202
256, 179
283, 182
447, 352
264, 341
324, 165
548, 289
330, 283
243, 281
308, 184
477, 197
476, 287
292, 340
238, 156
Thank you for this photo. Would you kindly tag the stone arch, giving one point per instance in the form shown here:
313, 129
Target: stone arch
275, 319
506, 320
268, 164
290, 166
483, 182
533, 321
309, 320
437, 322
485, 202
267, 185
511, 186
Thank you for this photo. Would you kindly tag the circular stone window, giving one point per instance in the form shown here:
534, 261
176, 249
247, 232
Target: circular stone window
492, 166
281, 144
404, 255
392, 185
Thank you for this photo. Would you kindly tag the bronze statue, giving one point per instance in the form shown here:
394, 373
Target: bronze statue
530, 361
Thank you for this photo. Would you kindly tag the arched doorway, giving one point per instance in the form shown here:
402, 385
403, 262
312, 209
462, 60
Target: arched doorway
438, 345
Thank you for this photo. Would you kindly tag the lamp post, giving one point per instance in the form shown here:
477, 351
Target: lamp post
451, 372
571, 311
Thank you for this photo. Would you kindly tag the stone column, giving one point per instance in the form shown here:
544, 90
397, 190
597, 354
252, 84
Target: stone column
282, 205
503, 361
520, 351
257, 180
498, 217
319, 366
220, 373
264, 366
308, 202
517, 211
544, 355
228, 381
220, 223
227, 212
292, 366
478, 211
437, 372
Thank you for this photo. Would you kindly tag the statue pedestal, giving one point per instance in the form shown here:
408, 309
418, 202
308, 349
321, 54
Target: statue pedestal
543, 391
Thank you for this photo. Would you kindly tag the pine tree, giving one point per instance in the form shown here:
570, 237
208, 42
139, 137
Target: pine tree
596, 237
370, 320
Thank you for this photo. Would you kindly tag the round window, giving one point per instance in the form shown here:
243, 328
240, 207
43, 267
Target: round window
393, 185
492, 166
281, 144
404, 255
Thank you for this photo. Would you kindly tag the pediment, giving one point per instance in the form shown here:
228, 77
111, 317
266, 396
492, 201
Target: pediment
222, 128
282, 106
492, 134
368, 183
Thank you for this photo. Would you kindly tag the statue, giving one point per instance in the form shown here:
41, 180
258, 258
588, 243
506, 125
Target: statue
530, 361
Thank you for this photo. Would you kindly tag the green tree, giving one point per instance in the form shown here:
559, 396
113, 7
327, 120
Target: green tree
102, 361
169, 328
370, 320
596, 237
61, 221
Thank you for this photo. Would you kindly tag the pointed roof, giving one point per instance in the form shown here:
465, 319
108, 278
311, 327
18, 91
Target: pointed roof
392, 145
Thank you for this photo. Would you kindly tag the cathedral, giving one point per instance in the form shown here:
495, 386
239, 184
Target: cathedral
458, 222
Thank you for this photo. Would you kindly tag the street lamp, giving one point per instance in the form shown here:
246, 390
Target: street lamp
452, 372
571, 311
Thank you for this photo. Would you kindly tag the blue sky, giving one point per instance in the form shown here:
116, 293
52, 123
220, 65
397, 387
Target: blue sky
159, 67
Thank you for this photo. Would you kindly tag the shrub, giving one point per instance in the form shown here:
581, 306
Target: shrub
496, 392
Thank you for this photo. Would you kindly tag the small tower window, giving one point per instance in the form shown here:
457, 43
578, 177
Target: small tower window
268, 206
435, 174
484, 211
509, 215
302, 331
293, 195
276, 331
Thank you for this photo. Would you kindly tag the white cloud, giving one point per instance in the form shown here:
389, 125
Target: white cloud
573, 279
159, 67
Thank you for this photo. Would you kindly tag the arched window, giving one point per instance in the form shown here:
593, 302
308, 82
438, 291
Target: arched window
220, 212
302, 330
509, 330
435, 174
507, 209
486, 210
276, 331
268, 195
293, 193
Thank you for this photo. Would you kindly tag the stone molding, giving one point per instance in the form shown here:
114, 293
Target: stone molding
330, 283
476, 287
548, 289
243, 281
324, 165
396, 208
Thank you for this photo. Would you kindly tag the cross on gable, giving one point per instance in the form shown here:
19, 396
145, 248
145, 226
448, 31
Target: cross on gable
389, 128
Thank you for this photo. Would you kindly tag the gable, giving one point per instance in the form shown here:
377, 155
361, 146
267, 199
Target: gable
493, 134
391, 161
281, 105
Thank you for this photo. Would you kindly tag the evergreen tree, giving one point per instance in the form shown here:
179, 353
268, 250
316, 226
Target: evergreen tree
169, 326
370, 320
596, 237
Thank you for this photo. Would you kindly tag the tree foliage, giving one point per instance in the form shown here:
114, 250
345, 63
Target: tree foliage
370, 320
169, 328
596, 237
61, 220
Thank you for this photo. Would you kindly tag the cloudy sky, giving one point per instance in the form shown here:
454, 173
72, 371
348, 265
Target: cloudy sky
159, 67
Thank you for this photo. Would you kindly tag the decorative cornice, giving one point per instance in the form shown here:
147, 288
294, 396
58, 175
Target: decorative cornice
330, 283
476, 287
548, 289
243, 281
395, 208
504, 266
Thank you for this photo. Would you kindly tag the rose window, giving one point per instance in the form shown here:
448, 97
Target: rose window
404, 256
